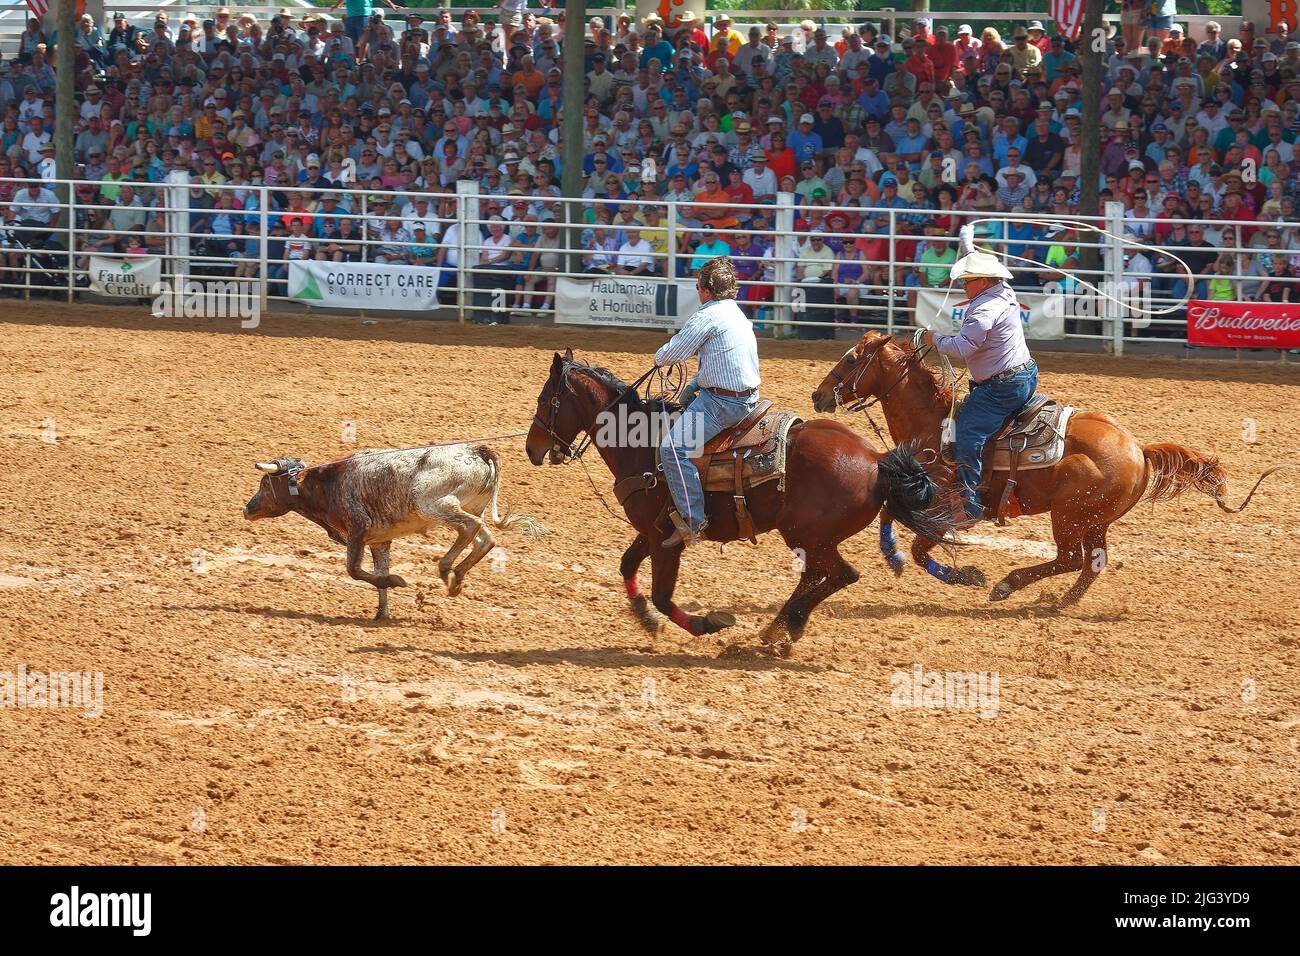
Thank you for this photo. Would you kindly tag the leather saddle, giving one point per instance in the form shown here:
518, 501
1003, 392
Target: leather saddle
736, 460
750, 431
1033, 437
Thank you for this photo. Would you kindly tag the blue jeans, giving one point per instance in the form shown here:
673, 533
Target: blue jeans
708, 415
983, 413
354, 27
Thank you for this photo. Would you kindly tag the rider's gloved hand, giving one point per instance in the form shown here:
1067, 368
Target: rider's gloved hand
688, 393
966, 240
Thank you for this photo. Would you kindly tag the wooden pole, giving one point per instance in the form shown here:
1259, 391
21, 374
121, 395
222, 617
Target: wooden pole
574, 86
65, 101
1091, 52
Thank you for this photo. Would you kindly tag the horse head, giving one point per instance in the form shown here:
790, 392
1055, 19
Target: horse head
860, 374
566, 407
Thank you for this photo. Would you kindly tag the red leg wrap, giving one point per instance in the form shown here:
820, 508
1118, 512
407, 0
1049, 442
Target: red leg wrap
686, 622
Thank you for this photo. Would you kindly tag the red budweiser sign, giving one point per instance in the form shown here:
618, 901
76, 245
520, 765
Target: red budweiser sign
1244, 325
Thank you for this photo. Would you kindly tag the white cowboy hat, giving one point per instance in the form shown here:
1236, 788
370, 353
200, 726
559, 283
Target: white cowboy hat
979, 265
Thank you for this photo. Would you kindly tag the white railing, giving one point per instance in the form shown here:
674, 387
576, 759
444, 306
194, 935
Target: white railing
489, 279
13, 17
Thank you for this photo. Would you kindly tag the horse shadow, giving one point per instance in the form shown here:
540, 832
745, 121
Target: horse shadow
848, 610
733, 658
1043, 607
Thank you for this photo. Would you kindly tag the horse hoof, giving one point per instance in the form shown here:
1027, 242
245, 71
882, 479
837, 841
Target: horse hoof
1001, 592
443, 573
717, 620
651, 623
394, 581
970, 576
781, 649
897, 566
454, 584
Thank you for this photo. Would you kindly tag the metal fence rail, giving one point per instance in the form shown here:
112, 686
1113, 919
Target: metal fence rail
503, 255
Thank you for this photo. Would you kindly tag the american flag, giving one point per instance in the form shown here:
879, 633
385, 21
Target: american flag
40, 7
1068, 15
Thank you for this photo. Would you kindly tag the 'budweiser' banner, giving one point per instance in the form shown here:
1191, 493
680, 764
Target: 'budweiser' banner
1244, 325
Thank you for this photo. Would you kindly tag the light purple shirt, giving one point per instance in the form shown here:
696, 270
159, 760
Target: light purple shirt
991, 338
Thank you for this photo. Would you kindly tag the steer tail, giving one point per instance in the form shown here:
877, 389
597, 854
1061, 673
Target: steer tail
912, 497
530, 526
1173, 469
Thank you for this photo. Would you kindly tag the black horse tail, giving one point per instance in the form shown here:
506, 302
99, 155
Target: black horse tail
912, 497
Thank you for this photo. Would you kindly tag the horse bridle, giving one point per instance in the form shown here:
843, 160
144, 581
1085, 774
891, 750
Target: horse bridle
862, 404
568, 452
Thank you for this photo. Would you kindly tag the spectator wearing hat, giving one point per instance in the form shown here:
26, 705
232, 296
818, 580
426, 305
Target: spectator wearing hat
1038, 36
810, 182
828, 126
881, 63
918, 62
943, 55
753, 54
1023, 53
814, 273
722, 27
804, 141
760, 178
1055, 57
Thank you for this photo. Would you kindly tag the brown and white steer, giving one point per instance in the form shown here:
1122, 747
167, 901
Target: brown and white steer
374, 497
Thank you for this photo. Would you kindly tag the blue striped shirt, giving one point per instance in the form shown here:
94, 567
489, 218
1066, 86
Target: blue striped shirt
723, 337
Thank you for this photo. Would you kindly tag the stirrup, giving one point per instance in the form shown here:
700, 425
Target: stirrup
683, 535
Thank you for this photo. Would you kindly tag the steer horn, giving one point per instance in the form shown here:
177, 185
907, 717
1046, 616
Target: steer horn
269, 467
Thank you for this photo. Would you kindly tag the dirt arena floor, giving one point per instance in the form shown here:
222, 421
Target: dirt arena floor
253, 713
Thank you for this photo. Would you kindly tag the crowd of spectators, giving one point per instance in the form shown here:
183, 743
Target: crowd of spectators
379, 112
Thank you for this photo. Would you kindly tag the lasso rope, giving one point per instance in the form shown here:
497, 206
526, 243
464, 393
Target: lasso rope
1127, 240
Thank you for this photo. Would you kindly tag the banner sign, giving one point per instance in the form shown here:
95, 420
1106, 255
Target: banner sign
363, 285
620, 300
1041, 314
125, 277
1244, 325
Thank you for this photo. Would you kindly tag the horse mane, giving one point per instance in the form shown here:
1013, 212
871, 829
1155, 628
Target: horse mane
943, 394
611, 381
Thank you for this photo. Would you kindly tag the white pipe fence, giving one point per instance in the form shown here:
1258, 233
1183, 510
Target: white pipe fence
501, 255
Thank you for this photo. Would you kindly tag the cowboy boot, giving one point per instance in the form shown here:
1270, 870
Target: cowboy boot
684, 536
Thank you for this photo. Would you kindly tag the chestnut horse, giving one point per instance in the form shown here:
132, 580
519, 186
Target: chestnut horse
836, 484
1103, 474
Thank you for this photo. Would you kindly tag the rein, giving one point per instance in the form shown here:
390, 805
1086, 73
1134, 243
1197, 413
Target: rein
571, 453
568, 451
865, 404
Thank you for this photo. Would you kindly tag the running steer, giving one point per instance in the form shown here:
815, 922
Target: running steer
373, 497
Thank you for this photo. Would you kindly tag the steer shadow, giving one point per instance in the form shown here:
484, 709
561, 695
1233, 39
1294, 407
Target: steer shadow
367, 620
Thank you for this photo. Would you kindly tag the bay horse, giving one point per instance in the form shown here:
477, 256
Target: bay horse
836, 484
1104, 472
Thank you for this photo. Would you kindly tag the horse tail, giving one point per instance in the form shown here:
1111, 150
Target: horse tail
1173, 469
530, 526
912, 497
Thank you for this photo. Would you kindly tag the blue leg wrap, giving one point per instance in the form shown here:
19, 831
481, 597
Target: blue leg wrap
940, 571
889, 545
